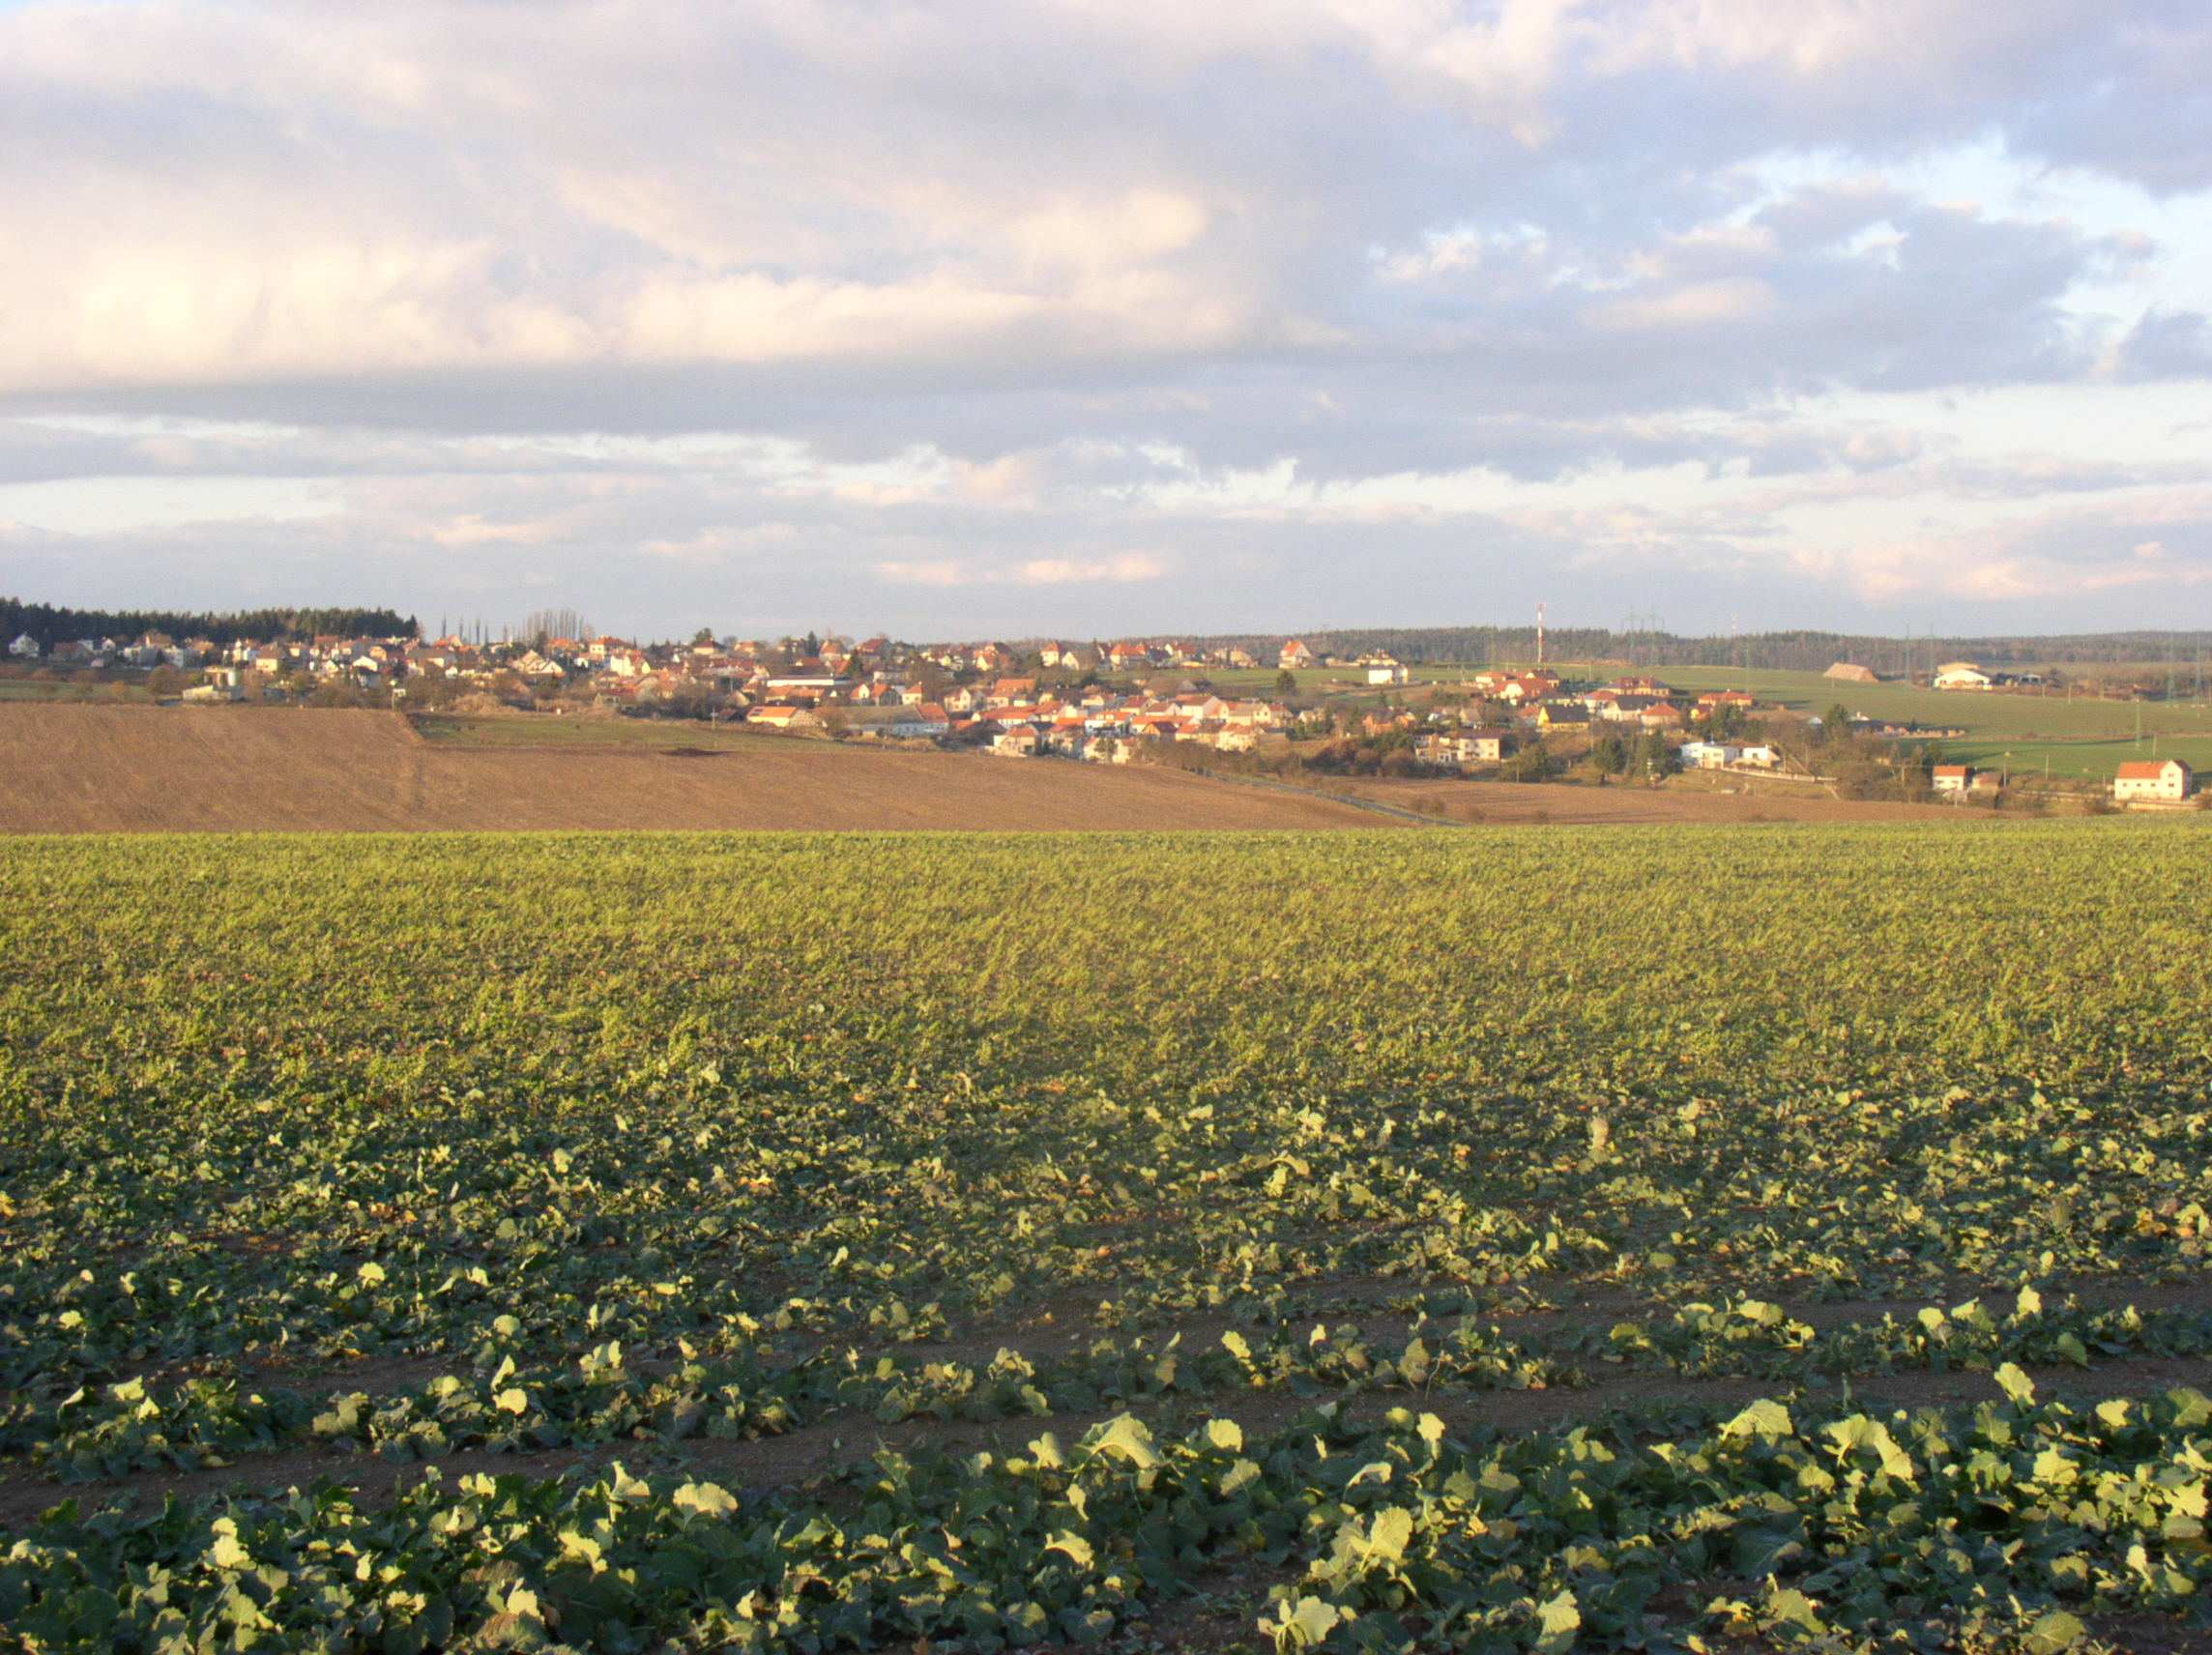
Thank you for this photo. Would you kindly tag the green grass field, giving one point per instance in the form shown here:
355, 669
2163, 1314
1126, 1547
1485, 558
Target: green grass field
2077, 759
2006, 718
1499, 1240
1315, 681
2070, 738
1986, 716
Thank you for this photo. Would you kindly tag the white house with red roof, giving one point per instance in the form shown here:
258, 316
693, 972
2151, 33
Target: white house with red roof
2165, 781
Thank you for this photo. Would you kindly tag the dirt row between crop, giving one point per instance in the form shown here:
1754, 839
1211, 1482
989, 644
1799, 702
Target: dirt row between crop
846, 1440
1059, 1330
837, 1445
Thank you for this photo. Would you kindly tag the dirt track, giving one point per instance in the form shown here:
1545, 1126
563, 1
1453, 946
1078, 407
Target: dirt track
75, 769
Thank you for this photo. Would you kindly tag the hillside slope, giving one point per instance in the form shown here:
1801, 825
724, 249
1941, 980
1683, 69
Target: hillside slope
162, 769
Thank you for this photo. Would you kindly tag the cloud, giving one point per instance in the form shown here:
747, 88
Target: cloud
2165, 344
1116, 569
471, 530
1363, 301
1698, 304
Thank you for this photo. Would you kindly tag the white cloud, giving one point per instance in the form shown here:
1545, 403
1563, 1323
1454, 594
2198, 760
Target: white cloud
976, 298
1700, 305
1118, 568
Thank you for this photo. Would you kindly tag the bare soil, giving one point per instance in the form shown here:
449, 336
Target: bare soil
816, 1451
846, 1440
75, 769
1684, 799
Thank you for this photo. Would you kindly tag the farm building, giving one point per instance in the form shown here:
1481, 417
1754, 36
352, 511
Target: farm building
1469, 748
1527, 687
926, 719
1129, 657
2161, 780
1951, 778
1850, 671
1962, 674
223, 683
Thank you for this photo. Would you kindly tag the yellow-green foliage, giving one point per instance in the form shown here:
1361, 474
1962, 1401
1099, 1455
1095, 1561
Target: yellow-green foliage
637, 1138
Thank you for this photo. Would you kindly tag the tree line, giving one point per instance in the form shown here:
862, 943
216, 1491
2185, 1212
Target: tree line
51, 623
1800, 651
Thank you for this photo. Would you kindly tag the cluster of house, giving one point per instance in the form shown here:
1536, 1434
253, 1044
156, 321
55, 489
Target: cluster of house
739, 665
1016, 717
977, 694
1133, 655
1956, 781
872, 686
614, 667
1539, 701
366, 661
1640, 703
1513, 705
149, 650
1130, 655
2138, 781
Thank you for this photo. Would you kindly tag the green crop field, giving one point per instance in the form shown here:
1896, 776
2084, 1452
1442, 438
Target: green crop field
1664, 1238
2076, 736
1319, 681
2070, 736
1986, 715
2080, 758
2007, 716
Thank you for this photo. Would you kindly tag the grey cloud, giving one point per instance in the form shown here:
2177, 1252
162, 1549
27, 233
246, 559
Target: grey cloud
2167, 345
1099, 241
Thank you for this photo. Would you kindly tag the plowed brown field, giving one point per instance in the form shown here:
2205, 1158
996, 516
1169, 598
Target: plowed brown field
1515, 804
69, 770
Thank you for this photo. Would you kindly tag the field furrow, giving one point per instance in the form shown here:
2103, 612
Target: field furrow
1646, 1237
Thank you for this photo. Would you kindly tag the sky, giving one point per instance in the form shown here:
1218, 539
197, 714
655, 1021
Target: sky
1029, 317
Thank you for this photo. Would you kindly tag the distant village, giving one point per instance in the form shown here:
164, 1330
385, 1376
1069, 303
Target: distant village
1080, 701
1094, 702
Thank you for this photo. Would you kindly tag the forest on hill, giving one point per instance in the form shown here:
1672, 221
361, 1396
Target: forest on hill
1797, 650
53, 623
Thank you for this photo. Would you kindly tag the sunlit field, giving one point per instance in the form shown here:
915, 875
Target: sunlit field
1500, 1240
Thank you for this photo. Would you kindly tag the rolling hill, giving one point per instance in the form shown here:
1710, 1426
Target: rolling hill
216, 769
